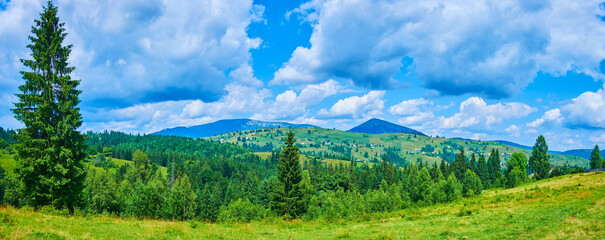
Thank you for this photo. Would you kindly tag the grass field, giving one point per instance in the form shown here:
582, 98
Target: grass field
566, 207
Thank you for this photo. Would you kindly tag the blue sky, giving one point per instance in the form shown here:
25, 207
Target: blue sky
486, 70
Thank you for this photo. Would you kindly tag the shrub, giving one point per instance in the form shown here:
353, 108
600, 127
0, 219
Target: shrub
242, 211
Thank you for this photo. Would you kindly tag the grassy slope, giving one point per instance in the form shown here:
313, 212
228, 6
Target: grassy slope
8, 163
564, 207
406, 142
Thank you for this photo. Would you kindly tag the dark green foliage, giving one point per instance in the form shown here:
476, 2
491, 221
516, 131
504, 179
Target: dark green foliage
471, 185
242, 211
289, 202
100, 192
493, 167
595, 158
182, 202
50, 149
148, 199
7, 136
538, 161
459, 165
482, 171
452, 189
516, 172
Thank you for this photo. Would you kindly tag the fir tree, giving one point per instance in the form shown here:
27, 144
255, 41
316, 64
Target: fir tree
51, 149
482, 170
289, 200
493, 166
459, 165
538, 161
595, 158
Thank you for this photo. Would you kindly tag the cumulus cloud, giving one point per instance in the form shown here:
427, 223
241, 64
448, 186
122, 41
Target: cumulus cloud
408, 107
289, 104
586, 111
476, 114
484, 47
550, 118
365, 106
411, 110
133, 52
514, 130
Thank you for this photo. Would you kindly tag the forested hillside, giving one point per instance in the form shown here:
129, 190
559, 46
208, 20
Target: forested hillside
399, 148
215, 181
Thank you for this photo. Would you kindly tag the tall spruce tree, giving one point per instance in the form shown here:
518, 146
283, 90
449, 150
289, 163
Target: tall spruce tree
50, 149
482, 170
538, 161
595, 158
289, 173
493, 166
459, 165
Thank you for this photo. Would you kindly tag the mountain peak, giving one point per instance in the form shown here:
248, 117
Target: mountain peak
377, 126
225, 126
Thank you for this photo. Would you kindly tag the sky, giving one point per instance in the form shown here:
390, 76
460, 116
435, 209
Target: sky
486, 70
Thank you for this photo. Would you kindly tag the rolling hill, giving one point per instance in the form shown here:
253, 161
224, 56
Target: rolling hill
583, 153
378, 126
225, 126
400, 148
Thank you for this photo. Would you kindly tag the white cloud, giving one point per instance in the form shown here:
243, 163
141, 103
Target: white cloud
475, 114
288, 104
586, 111
419, 118
367, 105
599, 138
240, 99
411, 111
408, 107
129, 52
551, 118
514, 130
484, 47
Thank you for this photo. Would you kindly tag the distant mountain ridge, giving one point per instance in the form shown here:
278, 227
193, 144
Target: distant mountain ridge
583, 153
225, 126
378, 126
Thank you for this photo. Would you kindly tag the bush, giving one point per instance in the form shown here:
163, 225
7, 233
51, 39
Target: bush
242, 211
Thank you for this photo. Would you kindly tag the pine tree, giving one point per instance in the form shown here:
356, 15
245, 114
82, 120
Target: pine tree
459, 165
595, 158
493, 166
538, 161
289, 173
51, 149
473, 163
182, 202
482, 170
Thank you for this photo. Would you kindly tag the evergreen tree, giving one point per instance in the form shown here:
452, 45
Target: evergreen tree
473, 163
595, 158
538, 161
50, 150
471, 184
493, 166
289, 173
459, 165
482, 172
182, 202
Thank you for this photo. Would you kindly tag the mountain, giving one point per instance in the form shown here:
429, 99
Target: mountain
512, 144
377, 126
583, 153
225, 126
